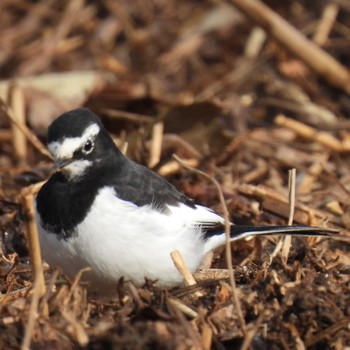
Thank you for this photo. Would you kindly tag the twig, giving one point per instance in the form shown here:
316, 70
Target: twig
310, 133
294, 41
136, 295
181, 266
18, 138
172, 167
8, 113
291, 194
76, 329
33, 242
182, 307
33, 312
179, 309
311, 340
254, 43
287, 242
251, 333
329, 15
75, 283
278, 202
313, 173
156, 144
134, 117
207, 336
236, 301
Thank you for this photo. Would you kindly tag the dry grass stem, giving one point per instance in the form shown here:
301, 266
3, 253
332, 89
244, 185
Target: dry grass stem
252, 332
309, 133
295, 42
287, 241
329, 15
19, 141
33, 242
182, 307
277, 203
181, 266
156, 144
6, 111
33, 311
236, 301
207, 336
75, 283
173, 167
315, 170
133, 117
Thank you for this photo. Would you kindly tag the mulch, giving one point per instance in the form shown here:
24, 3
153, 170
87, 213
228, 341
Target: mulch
203, 81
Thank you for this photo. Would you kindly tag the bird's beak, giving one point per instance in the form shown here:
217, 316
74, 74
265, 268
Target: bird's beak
60, 164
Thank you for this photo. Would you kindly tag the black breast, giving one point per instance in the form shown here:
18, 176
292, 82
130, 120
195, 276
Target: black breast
62, 205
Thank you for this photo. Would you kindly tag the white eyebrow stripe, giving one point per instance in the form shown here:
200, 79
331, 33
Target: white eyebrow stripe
65, 149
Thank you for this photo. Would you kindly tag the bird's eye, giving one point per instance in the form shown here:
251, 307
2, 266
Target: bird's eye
88, 147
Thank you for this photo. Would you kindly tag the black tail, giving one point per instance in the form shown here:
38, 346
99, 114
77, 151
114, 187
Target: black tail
242, 231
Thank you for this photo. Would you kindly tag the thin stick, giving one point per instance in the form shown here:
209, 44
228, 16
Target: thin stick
228, 244
156, 145
291, 198
33, 241
310, 133
182, 307
18, 139
75, 283
291, 194
295, 42
329, 15
133, 117
8, 113
207, 336
181, 266
173, 167
33, 313
251, 333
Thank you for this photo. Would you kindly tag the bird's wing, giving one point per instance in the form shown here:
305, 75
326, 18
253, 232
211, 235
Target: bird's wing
142, 186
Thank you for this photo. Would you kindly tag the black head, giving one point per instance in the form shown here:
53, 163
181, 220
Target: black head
77, 140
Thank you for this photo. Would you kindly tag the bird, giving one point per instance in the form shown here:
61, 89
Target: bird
102, 211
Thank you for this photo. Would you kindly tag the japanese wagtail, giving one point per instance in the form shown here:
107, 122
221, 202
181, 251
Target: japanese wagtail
101, 210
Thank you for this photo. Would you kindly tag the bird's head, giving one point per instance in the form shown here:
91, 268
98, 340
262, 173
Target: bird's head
77, 140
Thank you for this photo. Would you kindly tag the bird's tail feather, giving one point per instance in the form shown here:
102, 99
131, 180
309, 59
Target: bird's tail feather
245, 231
242, 231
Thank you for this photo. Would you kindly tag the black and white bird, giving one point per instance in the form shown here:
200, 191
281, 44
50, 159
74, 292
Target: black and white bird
101, 210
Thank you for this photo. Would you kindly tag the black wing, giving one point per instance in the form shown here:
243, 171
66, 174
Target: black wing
142, 186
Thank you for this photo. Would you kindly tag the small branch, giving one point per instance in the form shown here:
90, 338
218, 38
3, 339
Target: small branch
33, 313
33, 239
291, 194
182, 307
310, 133
326, 23
181, 266
8, 113
287, 242
18, 138
295, 42
156, 145
236, 301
